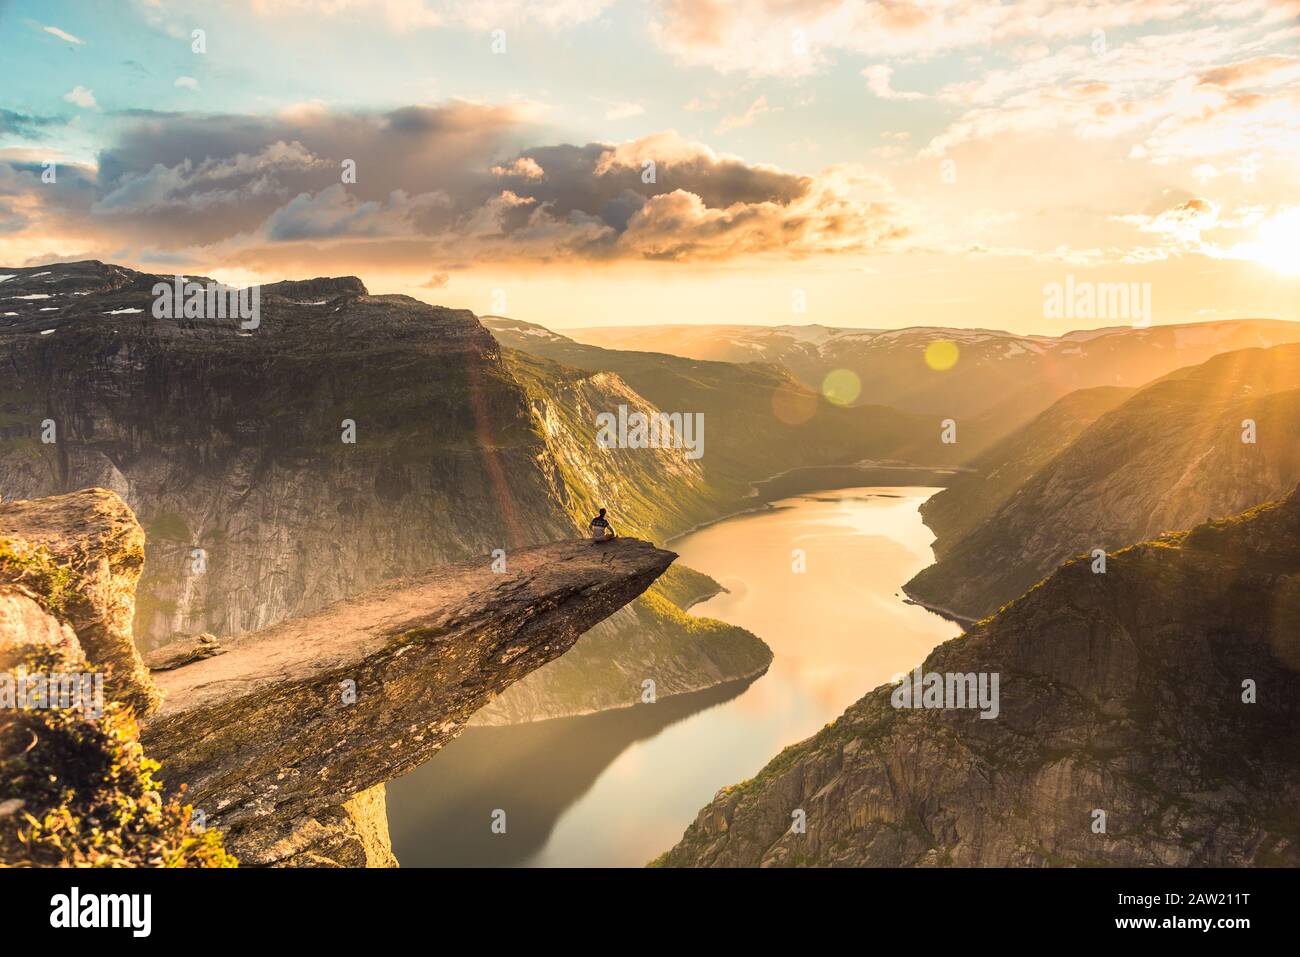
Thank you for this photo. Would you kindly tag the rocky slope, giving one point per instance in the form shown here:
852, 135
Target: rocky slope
282, 737
999, 374
231, 440
653, 493
1164, 694
1170, 456
228, 443
290, 722
761, 420
998, 473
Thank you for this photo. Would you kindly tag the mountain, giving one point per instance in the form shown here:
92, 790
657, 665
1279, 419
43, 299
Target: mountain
655, 493
229, 444
995, 475
1168, 457
280, 736
999, 378
760, 420
1145, 717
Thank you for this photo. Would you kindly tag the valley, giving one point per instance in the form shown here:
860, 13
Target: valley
813, 536
835, 627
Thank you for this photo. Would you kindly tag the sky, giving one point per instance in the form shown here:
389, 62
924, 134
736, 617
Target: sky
629, 162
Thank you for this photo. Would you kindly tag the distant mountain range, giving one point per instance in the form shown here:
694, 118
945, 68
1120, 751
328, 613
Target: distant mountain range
999, 377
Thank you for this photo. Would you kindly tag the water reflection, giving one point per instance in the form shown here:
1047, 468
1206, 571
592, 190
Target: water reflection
439, 814
619, 789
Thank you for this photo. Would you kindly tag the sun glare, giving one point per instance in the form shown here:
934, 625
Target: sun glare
1278, 245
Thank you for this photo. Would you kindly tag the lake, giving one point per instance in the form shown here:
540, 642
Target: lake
618, 789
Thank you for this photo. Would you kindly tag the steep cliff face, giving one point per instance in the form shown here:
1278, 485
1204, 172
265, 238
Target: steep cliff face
1170, 456
229, 444
76, 789
283, 738
761, 419
1163, 694
231, 440
654, 493
997, 474
288, 723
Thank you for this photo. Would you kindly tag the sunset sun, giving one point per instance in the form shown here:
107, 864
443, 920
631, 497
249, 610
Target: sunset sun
1278, 245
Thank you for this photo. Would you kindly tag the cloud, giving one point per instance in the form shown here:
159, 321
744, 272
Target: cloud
404, 15
879, 77
64, 35
452, 185
187, 83
1183, 95
1184, 222
1271, 70
756, 109
525, 167
24, 125
623, 111
82, 97
1255, 233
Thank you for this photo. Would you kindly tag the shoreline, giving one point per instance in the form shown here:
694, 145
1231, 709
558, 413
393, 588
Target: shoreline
947, 613
764, 495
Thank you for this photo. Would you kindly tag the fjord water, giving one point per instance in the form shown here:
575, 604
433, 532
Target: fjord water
620, 788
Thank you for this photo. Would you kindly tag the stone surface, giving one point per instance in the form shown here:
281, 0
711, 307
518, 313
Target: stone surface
94, 537
290, 722
183, 651
24, 624
354, 834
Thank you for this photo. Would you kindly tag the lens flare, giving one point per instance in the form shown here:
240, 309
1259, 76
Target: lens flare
941, 355
841, 386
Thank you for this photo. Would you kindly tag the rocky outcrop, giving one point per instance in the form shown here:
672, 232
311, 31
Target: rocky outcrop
652, 644
76, 789
284, 739
1169, 457
1147, 716
229, 445
354, 834
84, 553
293, 721
653, 493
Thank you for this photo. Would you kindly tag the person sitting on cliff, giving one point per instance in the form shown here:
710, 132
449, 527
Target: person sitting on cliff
601, 530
